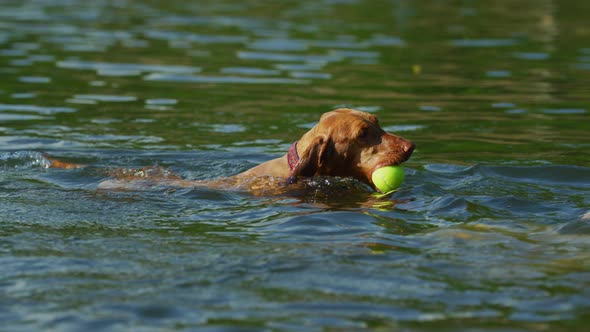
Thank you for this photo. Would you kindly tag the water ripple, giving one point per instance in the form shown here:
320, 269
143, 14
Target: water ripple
483, 42
35, 79
310, 75
399, 128
565, 111
195, 38
129, 68
250, 71
106, 98
222, 79
281, 44
35, 109
286, 57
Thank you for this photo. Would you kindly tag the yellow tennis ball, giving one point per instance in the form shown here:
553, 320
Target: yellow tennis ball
389, 178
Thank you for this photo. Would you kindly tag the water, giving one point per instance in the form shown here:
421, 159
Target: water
490, 230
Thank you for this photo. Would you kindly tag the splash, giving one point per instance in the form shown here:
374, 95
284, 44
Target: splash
24, 159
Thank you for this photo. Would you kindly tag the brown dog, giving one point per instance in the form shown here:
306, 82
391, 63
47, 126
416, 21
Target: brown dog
344, 143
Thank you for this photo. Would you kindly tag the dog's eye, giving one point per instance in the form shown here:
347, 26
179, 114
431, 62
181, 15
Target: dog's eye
364, 135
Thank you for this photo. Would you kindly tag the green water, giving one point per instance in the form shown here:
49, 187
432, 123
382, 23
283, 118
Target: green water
490, 230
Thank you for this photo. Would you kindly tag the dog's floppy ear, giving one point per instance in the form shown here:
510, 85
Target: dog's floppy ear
313, 158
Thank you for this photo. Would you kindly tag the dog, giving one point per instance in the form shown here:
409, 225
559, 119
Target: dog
344, 143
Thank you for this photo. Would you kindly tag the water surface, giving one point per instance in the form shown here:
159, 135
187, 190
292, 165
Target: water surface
490, 231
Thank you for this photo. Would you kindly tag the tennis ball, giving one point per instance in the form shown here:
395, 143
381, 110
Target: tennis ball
389, 178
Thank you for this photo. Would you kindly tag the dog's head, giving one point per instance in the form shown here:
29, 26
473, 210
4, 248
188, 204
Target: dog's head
349, 143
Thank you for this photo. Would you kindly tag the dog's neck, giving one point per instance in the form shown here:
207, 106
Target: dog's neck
279, 167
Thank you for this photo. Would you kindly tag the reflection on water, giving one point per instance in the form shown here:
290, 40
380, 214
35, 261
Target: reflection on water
221, 79
125, 69
489, 231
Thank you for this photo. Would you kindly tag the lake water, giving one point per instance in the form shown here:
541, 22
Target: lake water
489, 232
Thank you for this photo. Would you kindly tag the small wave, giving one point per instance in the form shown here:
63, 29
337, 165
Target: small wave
44, 110
24, 159
546, 175
222, 79
126, 67
577, 227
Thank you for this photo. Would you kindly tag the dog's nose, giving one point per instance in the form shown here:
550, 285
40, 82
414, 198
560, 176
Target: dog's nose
408, 147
